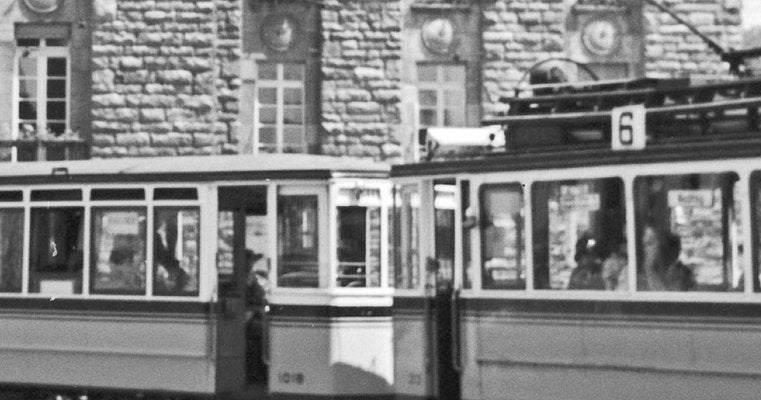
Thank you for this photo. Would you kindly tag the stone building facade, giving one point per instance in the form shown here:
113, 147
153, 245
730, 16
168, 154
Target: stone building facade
338, 77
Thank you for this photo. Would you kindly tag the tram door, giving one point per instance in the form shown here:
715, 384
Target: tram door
442, 268
243, 269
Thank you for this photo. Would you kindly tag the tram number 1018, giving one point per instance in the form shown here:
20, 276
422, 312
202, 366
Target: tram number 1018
290, 378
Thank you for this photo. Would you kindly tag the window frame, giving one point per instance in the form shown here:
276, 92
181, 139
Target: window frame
205, 286
559, 182
520, 242
43, 53
627, 174
154, 209
416, 278
279, 84
325, 275
440, 86
23, 278
745, 201
84, 277
351, 195
93, 251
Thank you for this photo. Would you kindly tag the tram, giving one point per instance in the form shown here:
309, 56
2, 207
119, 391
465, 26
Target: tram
218, 276
610, 249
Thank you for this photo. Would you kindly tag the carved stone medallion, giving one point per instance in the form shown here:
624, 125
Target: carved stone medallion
438, 36
43, 6
601, 37
278, 32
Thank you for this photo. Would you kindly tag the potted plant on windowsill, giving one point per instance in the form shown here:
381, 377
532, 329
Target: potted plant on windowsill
39, 145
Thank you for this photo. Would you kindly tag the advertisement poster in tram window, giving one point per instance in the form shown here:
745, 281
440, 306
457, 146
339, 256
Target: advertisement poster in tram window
571, 213
696, 216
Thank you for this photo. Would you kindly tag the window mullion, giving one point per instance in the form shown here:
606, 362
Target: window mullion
67, 98
280, 112
42, 107
440, 95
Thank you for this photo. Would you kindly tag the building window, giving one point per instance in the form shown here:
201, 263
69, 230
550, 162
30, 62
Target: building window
279, 124
441, 95
42, 88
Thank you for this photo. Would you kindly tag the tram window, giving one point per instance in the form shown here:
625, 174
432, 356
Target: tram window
406, 236
359, 246
225, 247
756, 230
175, 251
55, 256
444, 202
118, 251
468, 223
298, 248
11, 251
175, 194
688, 232
502, 237
579, 234
57, 195
11, 195
117, 194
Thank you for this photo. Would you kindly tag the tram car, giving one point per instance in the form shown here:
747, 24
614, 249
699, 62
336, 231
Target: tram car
219, 277
610, 249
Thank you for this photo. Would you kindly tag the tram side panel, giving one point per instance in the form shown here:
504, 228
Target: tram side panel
582, 356
230, 351
146, 354
414, 374
327, 357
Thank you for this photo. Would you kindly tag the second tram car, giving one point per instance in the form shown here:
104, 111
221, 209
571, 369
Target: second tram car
564, 269
232, 276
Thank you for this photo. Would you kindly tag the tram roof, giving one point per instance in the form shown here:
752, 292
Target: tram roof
570, 125
193, 168
586, 156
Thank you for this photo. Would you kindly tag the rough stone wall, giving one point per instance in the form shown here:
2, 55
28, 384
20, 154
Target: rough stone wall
672, 50
516, 35
164, 78
519, 33
361, 81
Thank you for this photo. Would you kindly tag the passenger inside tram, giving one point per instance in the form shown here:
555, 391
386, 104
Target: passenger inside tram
588, 272
256, 303
614, 268
164, 244
662, 270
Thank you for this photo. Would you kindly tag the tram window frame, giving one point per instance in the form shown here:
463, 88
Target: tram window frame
66, 278
681, 275
11, 196
118, 253
175, 193
468, 221
117, 194
407, 213
15, 267
301, 278
39, 195
358, 269
587, 249
359, 226
486, 222
755, 229
195, 278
